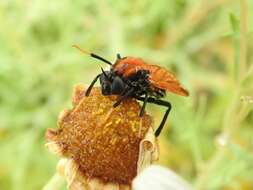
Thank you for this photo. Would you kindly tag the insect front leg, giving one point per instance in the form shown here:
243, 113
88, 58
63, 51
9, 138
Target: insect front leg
144, 105
91, 85
123, 97
162, 103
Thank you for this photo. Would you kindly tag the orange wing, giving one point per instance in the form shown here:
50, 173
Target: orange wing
129, 65
159, 77
163, 79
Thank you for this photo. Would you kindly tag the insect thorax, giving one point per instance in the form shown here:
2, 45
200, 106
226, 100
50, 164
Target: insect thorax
140, 82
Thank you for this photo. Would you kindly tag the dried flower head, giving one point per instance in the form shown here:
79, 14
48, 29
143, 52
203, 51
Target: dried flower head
102, 146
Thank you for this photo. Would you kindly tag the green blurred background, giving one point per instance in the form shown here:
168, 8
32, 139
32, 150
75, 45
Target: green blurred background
208, 137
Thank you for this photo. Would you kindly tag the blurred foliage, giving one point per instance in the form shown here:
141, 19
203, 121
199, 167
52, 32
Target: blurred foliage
208, 137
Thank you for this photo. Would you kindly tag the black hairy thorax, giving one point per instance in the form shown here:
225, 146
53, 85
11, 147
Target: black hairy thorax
141, 84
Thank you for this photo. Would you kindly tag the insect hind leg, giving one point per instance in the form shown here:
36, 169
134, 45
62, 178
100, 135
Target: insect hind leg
161, 103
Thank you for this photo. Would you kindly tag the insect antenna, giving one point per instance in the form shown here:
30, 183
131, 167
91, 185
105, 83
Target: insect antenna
92, 55
104, 73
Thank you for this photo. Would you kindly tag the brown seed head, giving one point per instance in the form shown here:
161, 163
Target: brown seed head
104, 142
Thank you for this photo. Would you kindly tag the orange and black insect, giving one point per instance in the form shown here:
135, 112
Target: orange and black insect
132, 77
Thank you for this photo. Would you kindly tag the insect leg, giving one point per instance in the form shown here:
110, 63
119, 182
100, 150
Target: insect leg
124, 91
118, 56
144, 105
123, 97
162, 103
91, 85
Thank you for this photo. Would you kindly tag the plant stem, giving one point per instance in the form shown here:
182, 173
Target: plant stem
243, 38
54, 183
230, 115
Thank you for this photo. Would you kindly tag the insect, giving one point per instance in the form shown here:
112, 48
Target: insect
132, 77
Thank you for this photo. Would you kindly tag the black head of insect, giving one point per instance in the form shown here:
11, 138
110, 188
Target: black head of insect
111, 83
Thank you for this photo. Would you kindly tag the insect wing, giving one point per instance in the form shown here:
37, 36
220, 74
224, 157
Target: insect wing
163, 79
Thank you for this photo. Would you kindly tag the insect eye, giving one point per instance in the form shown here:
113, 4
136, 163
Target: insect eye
106, 88
117, 85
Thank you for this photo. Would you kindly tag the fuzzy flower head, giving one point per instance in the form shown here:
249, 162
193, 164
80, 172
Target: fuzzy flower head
101, 146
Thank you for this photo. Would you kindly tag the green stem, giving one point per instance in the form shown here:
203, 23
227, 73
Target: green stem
228, 124
243, 38
54, 183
